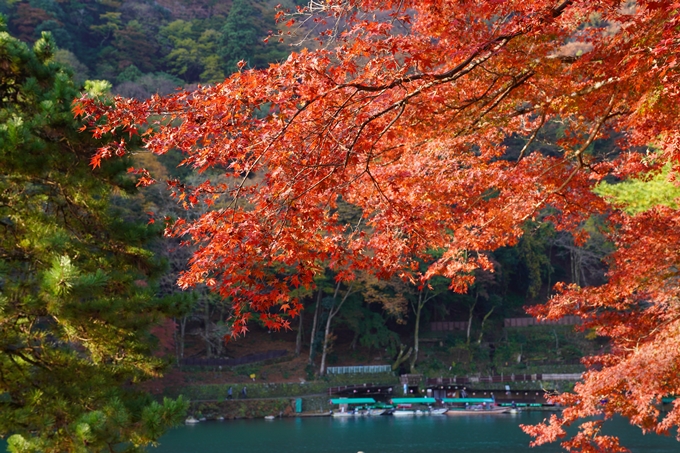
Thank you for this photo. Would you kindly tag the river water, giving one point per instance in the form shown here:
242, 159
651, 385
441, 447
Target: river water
384, 434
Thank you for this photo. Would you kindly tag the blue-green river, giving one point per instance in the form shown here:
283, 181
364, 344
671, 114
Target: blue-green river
384, 434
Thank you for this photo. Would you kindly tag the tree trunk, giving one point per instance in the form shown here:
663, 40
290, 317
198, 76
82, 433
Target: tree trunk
176, 339
416, 334
577, 273
469, 326
423, 298
182, 335
316, 317
298, 338
402, 357
550, 250
355, 340
327, 331
206, 330
331, 314
481, 331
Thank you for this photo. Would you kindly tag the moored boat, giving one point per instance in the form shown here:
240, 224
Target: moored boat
340, 413
412, 406
351, 407
403, 412
314, 414
438, 410
495, 410
380, 408
473, 406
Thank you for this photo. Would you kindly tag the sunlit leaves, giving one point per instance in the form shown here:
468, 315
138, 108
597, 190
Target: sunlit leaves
404, 114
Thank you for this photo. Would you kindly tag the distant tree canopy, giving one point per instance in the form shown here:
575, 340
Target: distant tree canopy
76, 290
194, 41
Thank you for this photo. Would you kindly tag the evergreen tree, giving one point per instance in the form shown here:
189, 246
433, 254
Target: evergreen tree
239, 36
75, 302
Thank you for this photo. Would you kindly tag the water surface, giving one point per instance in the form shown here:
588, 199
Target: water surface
427, 434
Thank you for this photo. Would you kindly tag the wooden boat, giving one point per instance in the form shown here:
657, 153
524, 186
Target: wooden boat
493, 410
412, 406
403, 412
473, 406
361, 411
438, 410
352, 407
341, 413
380, 408
314, 414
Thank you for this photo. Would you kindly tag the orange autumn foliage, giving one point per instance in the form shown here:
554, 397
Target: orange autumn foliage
401, 110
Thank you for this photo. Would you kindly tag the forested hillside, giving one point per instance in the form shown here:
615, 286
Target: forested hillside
145, 46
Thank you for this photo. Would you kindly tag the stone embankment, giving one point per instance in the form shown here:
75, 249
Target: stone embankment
231, 409
279, 400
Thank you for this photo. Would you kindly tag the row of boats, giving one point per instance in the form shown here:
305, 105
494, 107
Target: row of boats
399, 407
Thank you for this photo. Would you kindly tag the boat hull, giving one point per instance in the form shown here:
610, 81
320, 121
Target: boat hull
314, 414
490, 411
403, 413
439, 411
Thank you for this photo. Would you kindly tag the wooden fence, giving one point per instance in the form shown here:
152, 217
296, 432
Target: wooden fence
465, 380
526, 322
360, 369
449, 326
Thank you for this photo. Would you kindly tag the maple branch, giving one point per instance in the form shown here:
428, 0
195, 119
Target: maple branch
374, 117
388, 127
452, 74
594, 131
313, 186
559, 9
473, 101
531, 139
267, 148
387, 199
578, 154
499, 98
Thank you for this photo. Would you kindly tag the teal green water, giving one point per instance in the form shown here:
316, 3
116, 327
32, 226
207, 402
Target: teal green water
436, 434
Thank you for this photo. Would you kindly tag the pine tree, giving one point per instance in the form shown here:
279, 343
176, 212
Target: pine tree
75, 298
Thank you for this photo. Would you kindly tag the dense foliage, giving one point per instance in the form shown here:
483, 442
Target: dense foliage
403, 109
143, 46
76, 299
